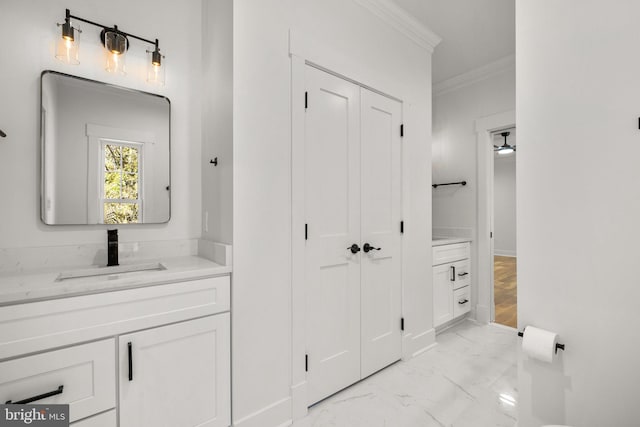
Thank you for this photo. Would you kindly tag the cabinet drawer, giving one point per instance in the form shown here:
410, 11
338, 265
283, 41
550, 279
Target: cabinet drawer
462, 274
461, 301
449, 253
86, 373
106, 419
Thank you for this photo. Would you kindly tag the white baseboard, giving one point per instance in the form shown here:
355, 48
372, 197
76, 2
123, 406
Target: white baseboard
451, 323
501, 252
498, 325
299, 401
483, 314
274, 415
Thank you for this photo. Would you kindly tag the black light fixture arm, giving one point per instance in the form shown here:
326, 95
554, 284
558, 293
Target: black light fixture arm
69, 16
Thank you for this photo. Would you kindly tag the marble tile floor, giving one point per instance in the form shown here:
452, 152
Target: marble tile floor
467, 380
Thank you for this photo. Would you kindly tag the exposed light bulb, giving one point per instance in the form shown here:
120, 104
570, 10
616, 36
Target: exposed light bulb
67, 50
155, 67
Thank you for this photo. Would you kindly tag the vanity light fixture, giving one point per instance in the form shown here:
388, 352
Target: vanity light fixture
68, 47
155, 70
116, 44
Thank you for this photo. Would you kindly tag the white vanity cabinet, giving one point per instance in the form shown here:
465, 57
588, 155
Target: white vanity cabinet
451, 281
176, 375
166, 347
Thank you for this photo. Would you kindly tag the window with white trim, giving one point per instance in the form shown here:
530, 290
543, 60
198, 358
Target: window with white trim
121, 181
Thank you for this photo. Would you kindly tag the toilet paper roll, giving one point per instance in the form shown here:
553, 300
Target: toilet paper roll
539, 344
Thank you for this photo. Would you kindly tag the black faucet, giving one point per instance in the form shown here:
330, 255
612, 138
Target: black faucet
112, 248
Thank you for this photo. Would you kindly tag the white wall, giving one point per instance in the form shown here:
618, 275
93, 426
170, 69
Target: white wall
362, 46
33, 51
217, 120
504, 204
454, 144
455, 151
578, 205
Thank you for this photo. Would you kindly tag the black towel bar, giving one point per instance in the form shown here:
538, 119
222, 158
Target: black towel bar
449, 183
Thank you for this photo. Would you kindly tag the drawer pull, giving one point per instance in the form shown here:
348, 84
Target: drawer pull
464, 301
462, 274
38, 397
130, 352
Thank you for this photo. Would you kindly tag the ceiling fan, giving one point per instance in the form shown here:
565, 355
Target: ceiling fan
504, 148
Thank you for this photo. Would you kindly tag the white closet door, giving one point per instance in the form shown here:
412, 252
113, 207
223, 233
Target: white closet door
332, 210
380, 226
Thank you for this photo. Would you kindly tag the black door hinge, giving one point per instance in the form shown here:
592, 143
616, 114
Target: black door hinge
401, 227
401, 131
306, 100
306, 231
402, 324
306, 363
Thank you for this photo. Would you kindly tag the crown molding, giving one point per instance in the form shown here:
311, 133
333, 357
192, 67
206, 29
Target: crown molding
475, 75
402, 21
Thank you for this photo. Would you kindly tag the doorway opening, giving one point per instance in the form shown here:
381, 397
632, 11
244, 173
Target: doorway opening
504, 256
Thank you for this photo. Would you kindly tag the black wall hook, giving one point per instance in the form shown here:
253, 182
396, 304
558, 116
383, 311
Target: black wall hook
214, 162
2, 134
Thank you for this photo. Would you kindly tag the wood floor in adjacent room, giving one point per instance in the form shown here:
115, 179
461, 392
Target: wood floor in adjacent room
505, 290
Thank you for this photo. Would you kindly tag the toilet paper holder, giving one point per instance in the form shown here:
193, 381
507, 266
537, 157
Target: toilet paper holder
558, 345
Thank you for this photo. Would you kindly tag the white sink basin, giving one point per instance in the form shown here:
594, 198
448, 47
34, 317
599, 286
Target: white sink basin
106, 271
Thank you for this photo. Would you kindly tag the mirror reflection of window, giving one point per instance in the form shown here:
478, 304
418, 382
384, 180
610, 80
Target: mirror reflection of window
79, 117
121, 182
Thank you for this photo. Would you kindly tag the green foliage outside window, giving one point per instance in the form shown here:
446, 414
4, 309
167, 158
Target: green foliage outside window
121, 178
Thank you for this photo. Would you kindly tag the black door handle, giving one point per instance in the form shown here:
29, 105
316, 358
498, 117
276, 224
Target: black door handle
354, 248
38, 397
367, 247
453, 274
464, 301
462, 274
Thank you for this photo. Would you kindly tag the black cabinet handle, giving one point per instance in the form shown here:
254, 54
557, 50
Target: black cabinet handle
354, 248
464, 301
367, 247
130, 361
38, 397
453, 274
462, 274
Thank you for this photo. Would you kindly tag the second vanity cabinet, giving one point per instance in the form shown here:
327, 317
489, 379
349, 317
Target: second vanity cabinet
150, 356
451, 282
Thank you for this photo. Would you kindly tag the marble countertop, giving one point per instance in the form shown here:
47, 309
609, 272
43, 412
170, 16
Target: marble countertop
37, 285
439, 241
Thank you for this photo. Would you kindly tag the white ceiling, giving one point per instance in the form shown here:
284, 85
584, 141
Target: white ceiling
474, 32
